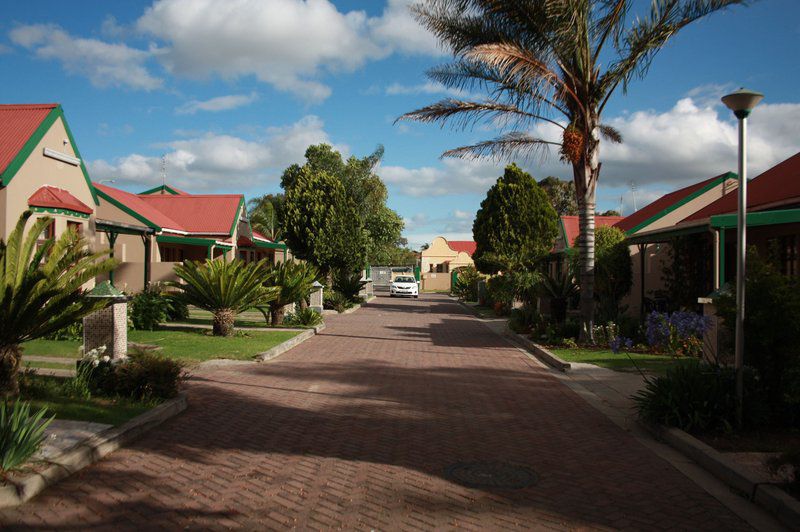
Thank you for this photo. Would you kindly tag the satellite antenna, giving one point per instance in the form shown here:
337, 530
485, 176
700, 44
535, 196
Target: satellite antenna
633, 188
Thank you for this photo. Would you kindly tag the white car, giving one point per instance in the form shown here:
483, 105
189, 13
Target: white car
404, 286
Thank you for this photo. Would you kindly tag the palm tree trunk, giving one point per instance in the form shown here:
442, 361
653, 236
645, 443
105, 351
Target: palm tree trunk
223, 322
277, 315
10, 356
587, 172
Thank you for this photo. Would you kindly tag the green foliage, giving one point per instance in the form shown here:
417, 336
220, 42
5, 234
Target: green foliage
148, 308
466, 286
336, 301
41, 289
294, 282
524, 320
560, 289
321, 222
73, 331
610, 212
773, 345
613, 275
515, 226
264, 214
500, 292
349, 284
562, 195
696, 397
686, 271
224, 288
177, 309
21, 433
147, 376
306, 317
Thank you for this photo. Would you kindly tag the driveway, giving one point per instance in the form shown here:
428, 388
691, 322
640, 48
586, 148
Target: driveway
361, 426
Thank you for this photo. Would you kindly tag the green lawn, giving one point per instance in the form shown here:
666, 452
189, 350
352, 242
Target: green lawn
605, 358
45, 391
195, 346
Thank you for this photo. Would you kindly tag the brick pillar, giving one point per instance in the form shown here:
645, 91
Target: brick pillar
109, 327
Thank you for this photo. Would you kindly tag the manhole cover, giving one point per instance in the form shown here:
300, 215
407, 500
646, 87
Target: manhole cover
491, 475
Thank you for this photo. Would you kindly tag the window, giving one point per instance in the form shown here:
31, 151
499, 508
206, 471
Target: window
48, 233
789, 255
75, 226
170, 254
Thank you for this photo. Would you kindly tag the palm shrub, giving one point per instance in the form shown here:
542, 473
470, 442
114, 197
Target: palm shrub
41, 290
149, 308
21, 433
560, 289
294, 282
306, 317
349, 284
223, 288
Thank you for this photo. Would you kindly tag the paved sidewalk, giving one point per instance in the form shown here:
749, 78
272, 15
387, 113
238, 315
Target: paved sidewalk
356, 427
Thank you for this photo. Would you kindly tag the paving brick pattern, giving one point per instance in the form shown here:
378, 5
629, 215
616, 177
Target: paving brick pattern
355, 428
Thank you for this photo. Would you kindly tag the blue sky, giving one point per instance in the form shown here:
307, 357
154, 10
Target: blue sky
232, 91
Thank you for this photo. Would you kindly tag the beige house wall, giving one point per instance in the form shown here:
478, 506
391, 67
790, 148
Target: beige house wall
434, 281
439, 252
39, 170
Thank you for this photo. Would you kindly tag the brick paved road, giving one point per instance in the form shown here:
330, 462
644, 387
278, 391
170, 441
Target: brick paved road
354, 429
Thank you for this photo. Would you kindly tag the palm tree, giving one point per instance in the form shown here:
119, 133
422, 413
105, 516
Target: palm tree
41, 290
553, 63
223, 288
294, 281
264, 215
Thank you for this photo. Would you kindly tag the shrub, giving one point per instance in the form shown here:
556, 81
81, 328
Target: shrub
613, 271
696, 397
349, 285
559, 289
294, 281
500, 291
149, 308
336, 301
466, 286
679, 333
73, 331
177, 310
306, 317
524, 320
605, 334
21, 433
146, 376
773, 345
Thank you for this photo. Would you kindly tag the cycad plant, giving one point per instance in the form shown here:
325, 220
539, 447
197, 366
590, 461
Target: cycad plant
552, 63
560, 289
41, 289
224, 288
294, 281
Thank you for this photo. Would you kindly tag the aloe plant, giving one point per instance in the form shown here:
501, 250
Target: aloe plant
21, 434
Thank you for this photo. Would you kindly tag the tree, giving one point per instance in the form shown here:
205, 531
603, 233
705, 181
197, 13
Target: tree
321, 222
561, 194
224, 288
515, 226
610, 212
294, 281
613, 271
555, 63
41, 290
264, 214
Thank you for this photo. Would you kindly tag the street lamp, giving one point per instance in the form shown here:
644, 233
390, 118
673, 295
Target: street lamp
741, 102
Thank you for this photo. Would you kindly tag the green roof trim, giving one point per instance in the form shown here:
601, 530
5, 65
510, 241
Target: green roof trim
678, 204
111, 228
270, 245
164, 188
666, 236
188, 240
56, 210
754, 219
124, 208
34, 140
236, 216
567, 245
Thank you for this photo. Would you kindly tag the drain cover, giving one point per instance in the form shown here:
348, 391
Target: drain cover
491, 475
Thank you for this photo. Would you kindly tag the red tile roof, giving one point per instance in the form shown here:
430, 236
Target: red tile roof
778, 186
206, 214
259, 236
467, 246
57, 198
572, 225
17, 124
665, 202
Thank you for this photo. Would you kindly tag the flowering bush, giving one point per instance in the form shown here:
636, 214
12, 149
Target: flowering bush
618, 342
679, 333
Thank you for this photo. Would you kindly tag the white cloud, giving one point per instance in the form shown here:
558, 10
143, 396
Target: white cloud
431, 87
105, 64
455, 176
220, 103
213, 161
397, 30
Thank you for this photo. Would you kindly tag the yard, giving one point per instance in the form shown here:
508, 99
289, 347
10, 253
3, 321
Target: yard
628, 362
187, 345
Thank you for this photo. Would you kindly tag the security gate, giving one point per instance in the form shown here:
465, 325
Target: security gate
382, 276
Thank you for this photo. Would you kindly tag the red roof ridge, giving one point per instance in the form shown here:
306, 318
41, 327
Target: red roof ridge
22, 106
49, 196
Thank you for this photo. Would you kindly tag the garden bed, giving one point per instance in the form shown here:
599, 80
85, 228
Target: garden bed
605, 358
187, 345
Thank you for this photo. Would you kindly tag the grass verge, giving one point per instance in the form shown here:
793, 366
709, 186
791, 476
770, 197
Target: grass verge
605, 358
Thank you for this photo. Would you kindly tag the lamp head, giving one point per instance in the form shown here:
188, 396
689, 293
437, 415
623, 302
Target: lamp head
741, 102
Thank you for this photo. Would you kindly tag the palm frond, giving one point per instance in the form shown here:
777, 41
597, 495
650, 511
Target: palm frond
611, 133
504, 147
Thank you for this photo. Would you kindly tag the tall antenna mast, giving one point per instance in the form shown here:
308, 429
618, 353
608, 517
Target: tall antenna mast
633, 187
163, 172
620, 205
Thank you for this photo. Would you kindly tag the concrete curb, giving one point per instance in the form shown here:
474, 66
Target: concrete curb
331, 312
200, 326
289, 344
768, 496
539, 352
17, 491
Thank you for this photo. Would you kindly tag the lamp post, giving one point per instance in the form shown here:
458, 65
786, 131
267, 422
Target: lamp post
741, 102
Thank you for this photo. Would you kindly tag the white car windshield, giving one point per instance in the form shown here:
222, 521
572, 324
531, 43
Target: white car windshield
405, 280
